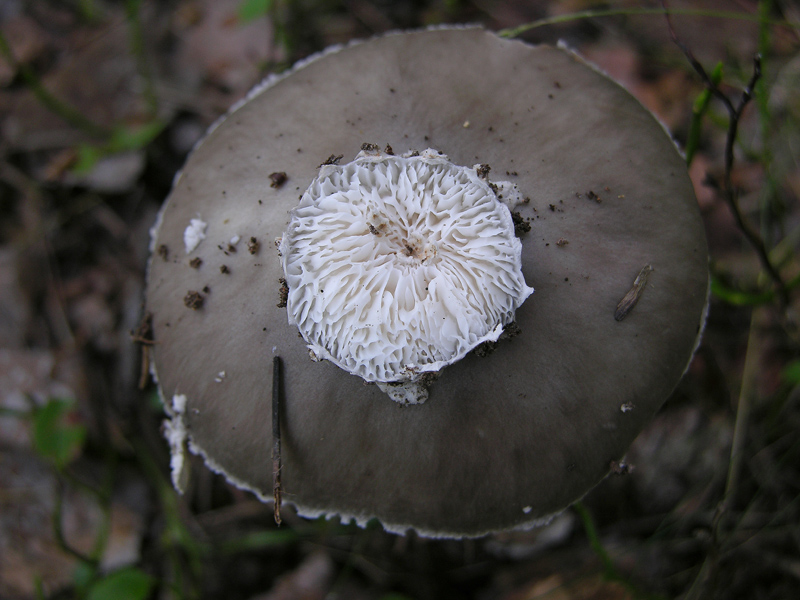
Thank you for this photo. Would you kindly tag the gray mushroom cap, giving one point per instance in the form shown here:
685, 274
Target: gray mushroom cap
504, 440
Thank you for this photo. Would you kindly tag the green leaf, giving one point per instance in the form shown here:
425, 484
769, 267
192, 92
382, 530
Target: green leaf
791, 373
154, 403
82, 577
88, 10
259, 540
127, 584
739, 297
249, 10
88, 156
122, 139
698, 112
39, 588
55, 436
134, 138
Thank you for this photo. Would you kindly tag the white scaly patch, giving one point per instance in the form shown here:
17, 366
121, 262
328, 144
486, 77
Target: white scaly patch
176, 434
194, 233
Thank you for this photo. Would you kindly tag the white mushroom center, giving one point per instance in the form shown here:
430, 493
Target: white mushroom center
398, 266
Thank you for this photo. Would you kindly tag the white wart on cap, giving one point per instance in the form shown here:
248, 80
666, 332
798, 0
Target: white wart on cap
398, 266
504, 440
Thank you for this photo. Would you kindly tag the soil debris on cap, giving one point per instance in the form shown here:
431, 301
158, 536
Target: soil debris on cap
193, 300
486, 348
592, 196
521, 226
370, 148
333, 159
278, 179
283, 293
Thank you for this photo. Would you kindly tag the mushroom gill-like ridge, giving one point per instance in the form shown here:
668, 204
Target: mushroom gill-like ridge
400, 265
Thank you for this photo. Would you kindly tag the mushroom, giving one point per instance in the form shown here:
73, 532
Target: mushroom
513, 430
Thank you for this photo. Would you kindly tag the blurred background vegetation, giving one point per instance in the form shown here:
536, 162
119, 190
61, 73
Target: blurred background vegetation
100, 102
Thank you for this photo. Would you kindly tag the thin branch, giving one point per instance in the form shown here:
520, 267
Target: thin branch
727, 190
640, 12
276, 437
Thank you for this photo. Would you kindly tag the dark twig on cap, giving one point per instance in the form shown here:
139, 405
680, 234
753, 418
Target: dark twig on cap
276, 437
726, 189
144, 336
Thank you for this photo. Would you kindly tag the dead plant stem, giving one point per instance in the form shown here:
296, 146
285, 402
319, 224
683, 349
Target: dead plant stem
60, 108
276, 438
138, 45
746, 392
709, 568
58, 526
637, 12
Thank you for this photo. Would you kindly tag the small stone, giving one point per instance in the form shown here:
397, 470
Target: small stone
193, 300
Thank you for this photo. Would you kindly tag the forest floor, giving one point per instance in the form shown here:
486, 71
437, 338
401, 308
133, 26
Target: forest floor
100, 103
